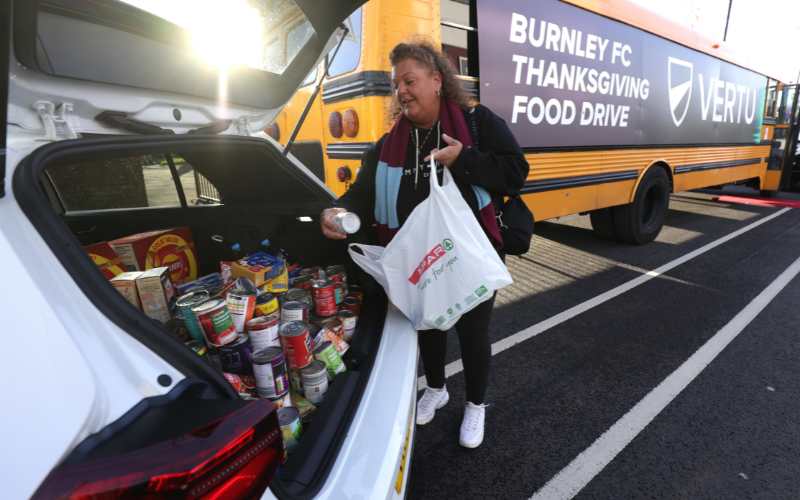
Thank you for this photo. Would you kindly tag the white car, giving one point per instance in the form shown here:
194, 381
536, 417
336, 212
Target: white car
116, 126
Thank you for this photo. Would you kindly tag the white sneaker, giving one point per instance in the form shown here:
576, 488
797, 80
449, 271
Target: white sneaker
432, 400
472, 425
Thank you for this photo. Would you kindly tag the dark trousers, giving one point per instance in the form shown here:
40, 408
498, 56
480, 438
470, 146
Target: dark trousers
476, 351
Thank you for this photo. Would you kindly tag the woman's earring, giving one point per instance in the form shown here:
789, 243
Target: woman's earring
439, 93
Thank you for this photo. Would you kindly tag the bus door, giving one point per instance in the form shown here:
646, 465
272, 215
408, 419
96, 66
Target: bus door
780, 129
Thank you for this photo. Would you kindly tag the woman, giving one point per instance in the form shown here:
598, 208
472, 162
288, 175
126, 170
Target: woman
434, 116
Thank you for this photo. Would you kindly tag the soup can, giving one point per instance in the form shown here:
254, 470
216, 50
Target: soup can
244, 384
235, 356
241, 304
315, 381
338, 275
245, 284
177, 327
214, 358
272, 378
321, 272
298, 344
294, 311
266, 303
215, 321
338, 292
298, 295
349, 320
352, 304
304, 282
185, 304
282, 401
327, 353
199, 348
291, 427
263, 332
324, 298
310, 271
198, 288
296, 380
330, 321
356, 291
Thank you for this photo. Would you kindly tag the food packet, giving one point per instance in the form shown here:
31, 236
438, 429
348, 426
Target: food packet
307, 409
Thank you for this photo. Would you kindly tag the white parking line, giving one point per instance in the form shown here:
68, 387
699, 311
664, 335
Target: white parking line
510, 341
572, 478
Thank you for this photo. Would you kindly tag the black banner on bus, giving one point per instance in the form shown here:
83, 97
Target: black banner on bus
563, 76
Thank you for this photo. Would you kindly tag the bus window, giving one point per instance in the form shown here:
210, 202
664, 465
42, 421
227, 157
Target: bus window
769, 111
311, 78
785, 105
457, 33
350, 53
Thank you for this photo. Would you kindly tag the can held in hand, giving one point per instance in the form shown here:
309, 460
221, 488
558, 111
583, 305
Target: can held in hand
328, 354
294, 311
315, 381
349, 321
185, 304
291, 427
352, 304
264, 332
304, 282
235, 356
215, 321
272, 378
298, 344
266, 304
199, 348
324, 298
177, 327
241, 304
346, 223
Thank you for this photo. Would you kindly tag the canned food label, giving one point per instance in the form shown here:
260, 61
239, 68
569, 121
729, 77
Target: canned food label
292, 434
265, 381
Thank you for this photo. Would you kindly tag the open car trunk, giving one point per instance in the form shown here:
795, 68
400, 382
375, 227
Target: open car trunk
86, 191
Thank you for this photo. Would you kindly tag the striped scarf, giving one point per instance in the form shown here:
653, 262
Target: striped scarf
390, 171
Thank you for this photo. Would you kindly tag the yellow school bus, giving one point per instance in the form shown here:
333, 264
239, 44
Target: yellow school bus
615, 107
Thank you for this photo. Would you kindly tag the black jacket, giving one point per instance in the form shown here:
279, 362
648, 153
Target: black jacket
497, 164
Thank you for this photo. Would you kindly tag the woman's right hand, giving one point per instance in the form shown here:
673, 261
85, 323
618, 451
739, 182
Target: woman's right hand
328, 226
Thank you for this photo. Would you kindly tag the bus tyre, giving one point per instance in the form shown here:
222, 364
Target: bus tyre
641, 221
603, 223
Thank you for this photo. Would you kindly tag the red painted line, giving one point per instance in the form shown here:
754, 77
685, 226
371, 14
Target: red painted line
768, 202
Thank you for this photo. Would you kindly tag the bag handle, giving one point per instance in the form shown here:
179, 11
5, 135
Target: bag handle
447, 177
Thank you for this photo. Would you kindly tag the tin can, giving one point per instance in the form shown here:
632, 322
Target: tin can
304, 282
315, 381
299, 295
324, 298
264, 332
198, 288
241, 304
338, 275
185, 304
282, 401
310, 271
294, 311
269, 366
177, 327
292, 273
357, 292
215, 321
298, 344
328, 354
245, 284
266, 303
199, 348
338, 292
321, 272
352, 304
347, 222
296, 380
235, 356
244, 385
291, 427
349, 321
329, 321
214, 358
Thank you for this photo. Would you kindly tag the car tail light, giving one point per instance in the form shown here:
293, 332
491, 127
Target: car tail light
344, 174
350, 123
335, 124
232, 458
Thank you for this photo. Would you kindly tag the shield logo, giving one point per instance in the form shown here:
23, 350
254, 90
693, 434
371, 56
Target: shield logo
680, 75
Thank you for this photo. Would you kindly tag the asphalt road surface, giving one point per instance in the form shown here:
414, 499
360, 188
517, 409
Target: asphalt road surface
611, 381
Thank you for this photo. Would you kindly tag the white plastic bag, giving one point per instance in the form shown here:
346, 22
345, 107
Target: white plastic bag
440, 264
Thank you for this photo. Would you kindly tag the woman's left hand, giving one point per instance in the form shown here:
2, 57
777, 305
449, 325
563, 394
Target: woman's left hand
449, 154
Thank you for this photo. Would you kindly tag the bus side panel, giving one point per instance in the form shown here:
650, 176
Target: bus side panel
550, 204
715, 176
403, 17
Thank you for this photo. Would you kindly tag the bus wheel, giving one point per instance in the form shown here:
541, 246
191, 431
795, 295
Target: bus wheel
603, 223
641, 221
770, 194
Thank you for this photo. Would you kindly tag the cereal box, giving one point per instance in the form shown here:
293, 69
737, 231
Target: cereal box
157, 293
125, 284
172, 248
105, 259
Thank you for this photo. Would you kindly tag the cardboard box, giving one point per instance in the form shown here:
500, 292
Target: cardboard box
157, 293
209, 280
258, 268
276, 285
125, 284
106, 259
172, 248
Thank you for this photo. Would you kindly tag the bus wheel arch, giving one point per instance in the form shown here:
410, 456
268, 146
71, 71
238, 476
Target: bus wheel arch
660, 163
641, 220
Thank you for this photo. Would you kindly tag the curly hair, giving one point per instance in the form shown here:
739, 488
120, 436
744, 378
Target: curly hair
427, 53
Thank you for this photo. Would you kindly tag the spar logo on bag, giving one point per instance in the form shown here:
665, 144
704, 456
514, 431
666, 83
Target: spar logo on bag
429, 259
